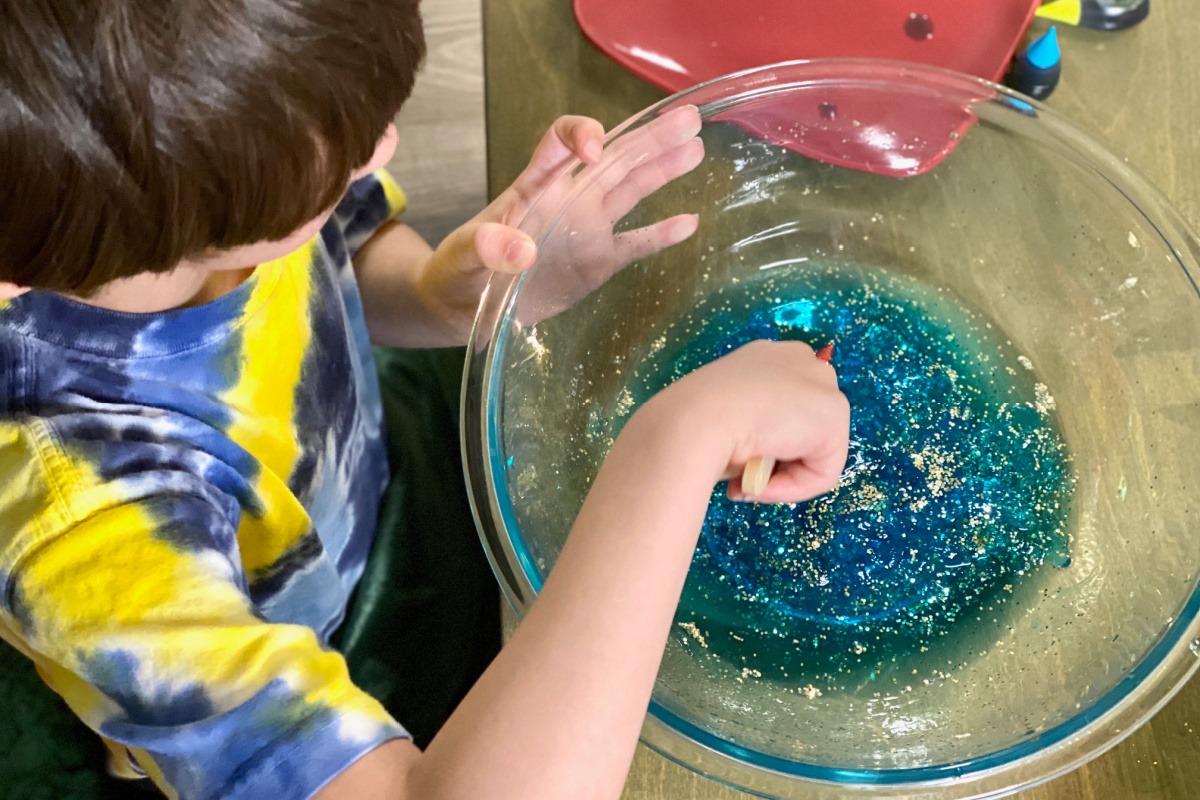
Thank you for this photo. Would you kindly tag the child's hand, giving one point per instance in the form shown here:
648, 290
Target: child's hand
774, 399
632, 168
557, 714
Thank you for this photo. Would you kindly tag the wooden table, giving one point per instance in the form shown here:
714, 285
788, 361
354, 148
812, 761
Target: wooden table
1139, 91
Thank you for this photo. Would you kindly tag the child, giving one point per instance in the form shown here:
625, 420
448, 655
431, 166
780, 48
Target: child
195, 248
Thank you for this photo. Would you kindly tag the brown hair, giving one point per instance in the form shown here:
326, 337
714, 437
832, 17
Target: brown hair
134, 134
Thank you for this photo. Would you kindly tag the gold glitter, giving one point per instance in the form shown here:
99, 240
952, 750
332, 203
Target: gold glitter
624, 402
773, 561
868, 496
1043, 400
980, 539
691, 628
939, 468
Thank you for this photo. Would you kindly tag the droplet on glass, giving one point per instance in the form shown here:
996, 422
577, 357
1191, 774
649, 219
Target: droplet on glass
918, 27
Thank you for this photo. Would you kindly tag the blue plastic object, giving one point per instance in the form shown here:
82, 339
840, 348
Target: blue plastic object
1035, 72
1044, 53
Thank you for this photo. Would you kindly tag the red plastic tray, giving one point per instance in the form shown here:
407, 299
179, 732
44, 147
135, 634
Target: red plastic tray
675, 44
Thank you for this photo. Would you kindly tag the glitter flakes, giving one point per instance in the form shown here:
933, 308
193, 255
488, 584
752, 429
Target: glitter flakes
624, 403
695, 633
938, 467
958, 482
1044, 402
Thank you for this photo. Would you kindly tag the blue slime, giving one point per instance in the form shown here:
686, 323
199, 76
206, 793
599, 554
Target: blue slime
957, 486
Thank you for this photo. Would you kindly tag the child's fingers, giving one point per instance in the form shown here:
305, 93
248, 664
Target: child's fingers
645, 144
583, 136
648, 178
657, 136
637, 244
568, 137
793, 482
502, 248
821, 468
734, 489
633, 245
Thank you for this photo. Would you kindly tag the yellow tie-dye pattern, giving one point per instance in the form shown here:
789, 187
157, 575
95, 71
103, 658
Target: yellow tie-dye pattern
24, 494
186, 622
95, 575
396, 199
187, 619
274, 341
145, 762
119, 764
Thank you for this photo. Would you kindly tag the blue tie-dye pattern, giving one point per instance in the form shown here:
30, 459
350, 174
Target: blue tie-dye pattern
19, 608
144, 705
137, 397
239, 751
365, 209
109, 381
358, 219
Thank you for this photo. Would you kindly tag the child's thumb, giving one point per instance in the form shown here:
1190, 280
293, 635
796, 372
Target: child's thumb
502, 248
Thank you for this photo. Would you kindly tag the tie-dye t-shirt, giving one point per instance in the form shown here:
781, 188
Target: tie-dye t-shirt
186, 502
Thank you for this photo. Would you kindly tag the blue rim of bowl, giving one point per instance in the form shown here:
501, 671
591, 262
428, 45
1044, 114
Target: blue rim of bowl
884, 778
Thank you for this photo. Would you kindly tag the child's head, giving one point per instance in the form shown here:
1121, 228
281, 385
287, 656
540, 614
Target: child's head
134, 135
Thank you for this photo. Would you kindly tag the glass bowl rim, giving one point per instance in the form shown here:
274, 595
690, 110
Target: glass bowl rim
1154, 680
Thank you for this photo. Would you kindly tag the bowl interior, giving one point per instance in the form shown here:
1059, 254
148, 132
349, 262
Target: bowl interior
1067, 287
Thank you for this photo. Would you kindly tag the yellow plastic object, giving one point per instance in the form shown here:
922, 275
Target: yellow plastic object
1068, 12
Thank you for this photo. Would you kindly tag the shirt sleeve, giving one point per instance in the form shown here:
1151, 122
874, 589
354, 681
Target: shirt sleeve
137, 616
366, 206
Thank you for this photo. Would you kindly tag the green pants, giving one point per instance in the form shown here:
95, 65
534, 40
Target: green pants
422, 626
425, 621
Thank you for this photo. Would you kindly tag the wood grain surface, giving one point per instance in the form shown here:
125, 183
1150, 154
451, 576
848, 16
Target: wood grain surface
1138, 91
440, 154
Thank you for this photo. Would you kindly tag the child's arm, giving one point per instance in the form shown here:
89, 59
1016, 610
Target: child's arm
417, 297
557, 715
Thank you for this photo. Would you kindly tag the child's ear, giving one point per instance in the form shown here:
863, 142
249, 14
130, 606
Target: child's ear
10, 290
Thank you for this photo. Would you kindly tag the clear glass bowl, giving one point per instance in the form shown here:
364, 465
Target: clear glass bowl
955, 187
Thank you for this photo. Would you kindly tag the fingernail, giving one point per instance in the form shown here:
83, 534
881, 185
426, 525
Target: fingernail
685, 227
521, 252
592, 152
692, 111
